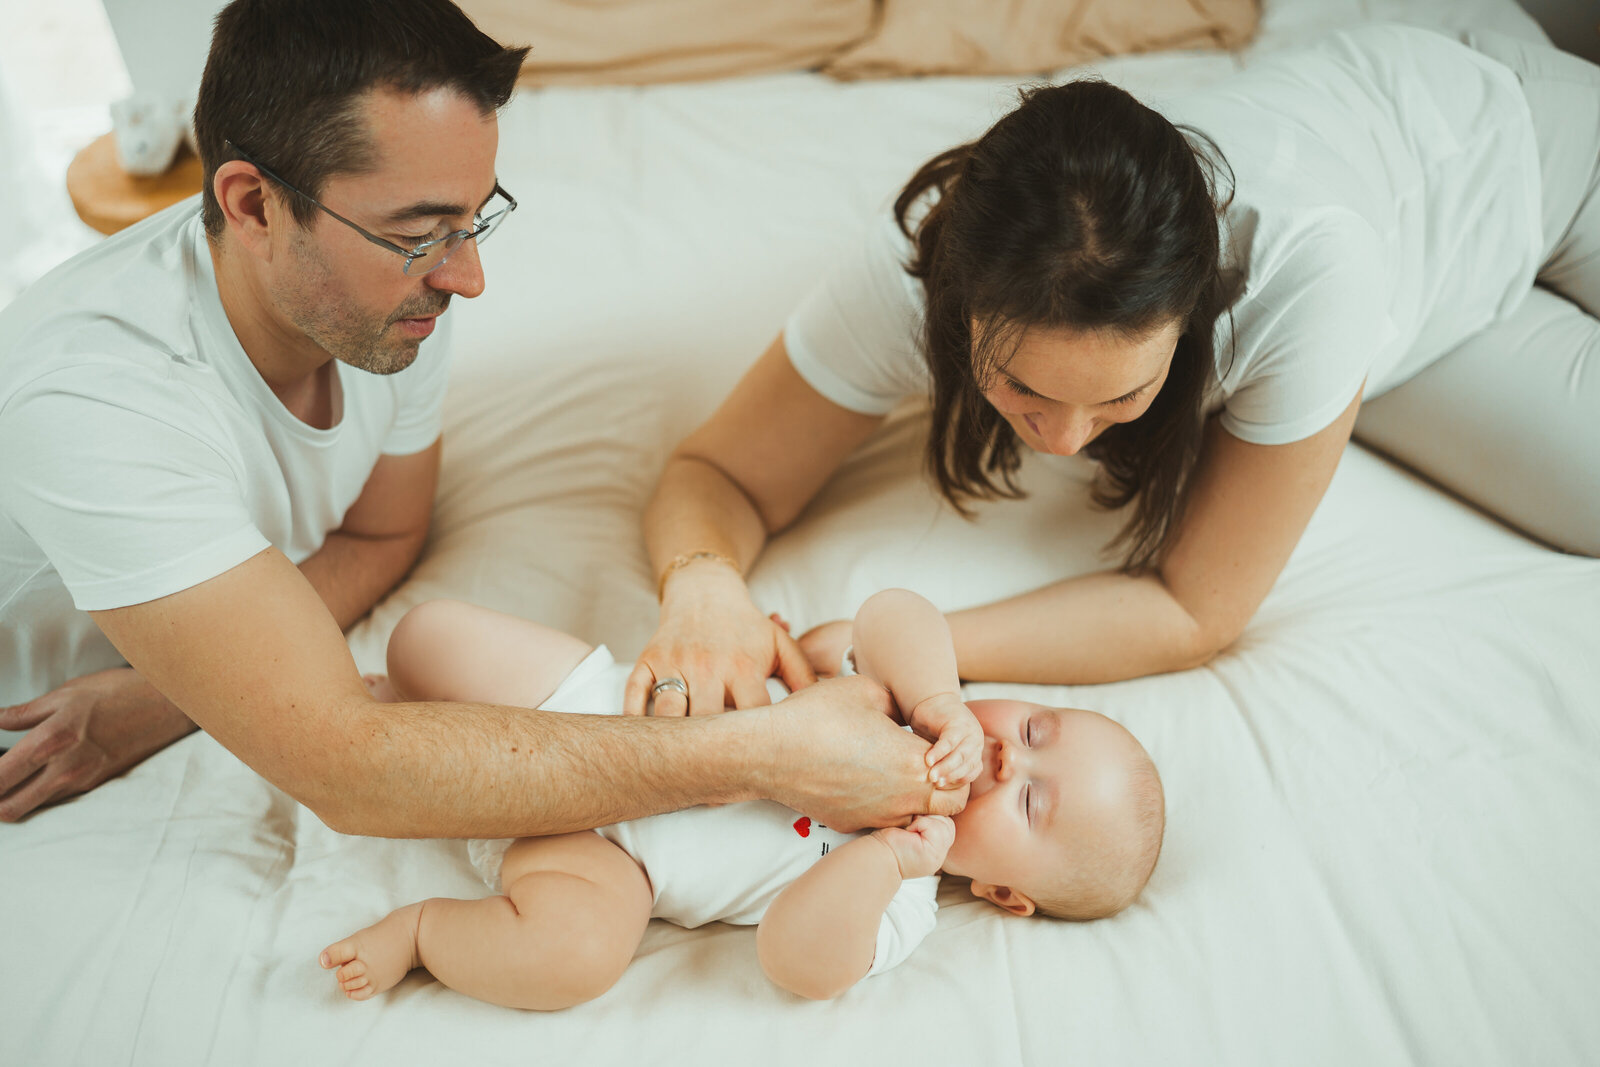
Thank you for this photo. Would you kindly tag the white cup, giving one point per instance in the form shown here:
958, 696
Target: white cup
148, 132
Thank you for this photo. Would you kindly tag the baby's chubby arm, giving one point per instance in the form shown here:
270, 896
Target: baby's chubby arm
819, 936
903, 642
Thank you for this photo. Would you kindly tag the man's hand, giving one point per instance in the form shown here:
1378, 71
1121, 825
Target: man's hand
920, 848
844, 762
89, 730
957, 753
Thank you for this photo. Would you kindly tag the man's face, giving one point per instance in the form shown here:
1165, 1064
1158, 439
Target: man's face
433, 169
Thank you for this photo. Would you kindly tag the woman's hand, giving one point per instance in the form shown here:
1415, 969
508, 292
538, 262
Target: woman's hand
715, 641
824, 645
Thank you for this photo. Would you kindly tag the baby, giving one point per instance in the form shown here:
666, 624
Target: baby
1065, 817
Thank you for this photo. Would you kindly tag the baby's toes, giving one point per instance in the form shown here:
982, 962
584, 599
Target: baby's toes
355, 969
337, 953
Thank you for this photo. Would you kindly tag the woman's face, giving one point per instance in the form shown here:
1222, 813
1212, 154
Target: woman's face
1062, 388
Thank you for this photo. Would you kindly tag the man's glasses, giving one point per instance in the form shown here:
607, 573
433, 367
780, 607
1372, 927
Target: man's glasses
425, 257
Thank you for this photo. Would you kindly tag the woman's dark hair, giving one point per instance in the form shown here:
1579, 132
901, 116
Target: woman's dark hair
1084, 210
284, 81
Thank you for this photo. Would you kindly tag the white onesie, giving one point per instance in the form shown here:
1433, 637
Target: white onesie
727, 863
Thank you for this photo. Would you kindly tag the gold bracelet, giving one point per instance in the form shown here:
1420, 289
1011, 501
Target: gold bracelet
683, 559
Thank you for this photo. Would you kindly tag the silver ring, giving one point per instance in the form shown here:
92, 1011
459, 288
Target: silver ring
669, 685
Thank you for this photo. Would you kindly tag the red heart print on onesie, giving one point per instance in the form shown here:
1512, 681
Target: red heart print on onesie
802, 826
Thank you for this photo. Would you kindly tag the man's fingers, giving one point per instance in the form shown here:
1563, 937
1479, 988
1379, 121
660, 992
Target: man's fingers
947, 801
793, 667
20, 793
21, 761
25, 716
39, 790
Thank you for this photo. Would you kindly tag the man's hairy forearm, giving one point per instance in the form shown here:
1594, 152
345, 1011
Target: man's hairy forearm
352, 573
472, 770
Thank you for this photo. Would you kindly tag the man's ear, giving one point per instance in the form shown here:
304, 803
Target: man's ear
1017, 903
241, 192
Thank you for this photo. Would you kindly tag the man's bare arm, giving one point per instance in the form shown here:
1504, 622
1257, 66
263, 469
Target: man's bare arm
254, 657
380, 538
95, 727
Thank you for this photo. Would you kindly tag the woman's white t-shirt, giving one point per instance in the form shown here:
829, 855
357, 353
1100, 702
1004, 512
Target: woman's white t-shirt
1386, 207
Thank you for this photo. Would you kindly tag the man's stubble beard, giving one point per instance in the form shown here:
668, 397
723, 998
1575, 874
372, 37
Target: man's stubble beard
350, 336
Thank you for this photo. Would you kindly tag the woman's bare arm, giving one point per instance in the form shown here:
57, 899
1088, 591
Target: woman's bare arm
742, 476
1248, 505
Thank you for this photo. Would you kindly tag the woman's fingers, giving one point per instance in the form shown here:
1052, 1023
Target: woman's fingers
673, 701
793, 667
748, 693
636, 694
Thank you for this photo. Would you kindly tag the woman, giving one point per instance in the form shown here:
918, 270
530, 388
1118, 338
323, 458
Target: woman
1199, 301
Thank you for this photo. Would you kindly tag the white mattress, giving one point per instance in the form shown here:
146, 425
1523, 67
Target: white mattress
1384, 801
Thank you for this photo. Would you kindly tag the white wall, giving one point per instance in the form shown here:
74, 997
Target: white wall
164, 45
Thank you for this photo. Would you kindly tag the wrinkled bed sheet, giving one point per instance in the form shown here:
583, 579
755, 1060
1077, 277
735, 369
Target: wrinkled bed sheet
1383, 801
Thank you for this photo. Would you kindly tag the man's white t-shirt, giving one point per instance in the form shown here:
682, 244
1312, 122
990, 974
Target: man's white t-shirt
1386, 208
727, 863
141, 453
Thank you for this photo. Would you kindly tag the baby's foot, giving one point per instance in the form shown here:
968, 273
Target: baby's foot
381, 688
372, 960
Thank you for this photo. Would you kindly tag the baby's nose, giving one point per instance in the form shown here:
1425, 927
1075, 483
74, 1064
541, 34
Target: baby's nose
1005, 755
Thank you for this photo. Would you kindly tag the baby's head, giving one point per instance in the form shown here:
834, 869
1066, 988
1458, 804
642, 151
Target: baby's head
1066, 816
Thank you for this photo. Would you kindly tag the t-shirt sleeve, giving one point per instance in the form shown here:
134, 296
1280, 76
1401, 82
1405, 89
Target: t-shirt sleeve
910, 917
1306, 339
420, 388
855, 337
127, 505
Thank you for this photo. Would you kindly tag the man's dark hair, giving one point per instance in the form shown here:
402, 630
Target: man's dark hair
284, 81
1082, 209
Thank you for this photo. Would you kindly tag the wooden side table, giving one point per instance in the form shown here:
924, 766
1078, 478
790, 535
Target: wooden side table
109, 199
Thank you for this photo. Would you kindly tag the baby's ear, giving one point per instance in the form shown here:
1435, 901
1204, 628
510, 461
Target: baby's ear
1015, 902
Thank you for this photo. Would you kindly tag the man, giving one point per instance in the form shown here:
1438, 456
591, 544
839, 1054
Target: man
220, 442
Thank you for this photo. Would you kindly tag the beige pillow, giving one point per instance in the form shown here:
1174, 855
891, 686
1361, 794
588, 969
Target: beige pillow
631, 42
1022, 36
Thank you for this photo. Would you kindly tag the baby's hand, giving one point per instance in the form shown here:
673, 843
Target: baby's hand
956, 756
824, 646
920, 848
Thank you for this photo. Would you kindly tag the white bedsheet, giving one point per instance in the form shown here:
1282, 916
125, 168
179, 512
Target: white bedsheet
1383, 802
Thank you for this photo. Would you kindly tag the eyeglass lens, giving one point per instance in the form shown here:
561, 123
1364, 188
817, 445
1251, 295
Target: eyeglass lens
435, 254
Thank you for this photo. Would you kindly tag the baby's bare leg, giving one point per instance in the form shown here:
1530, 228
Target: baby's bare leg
449, 650
575, 909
